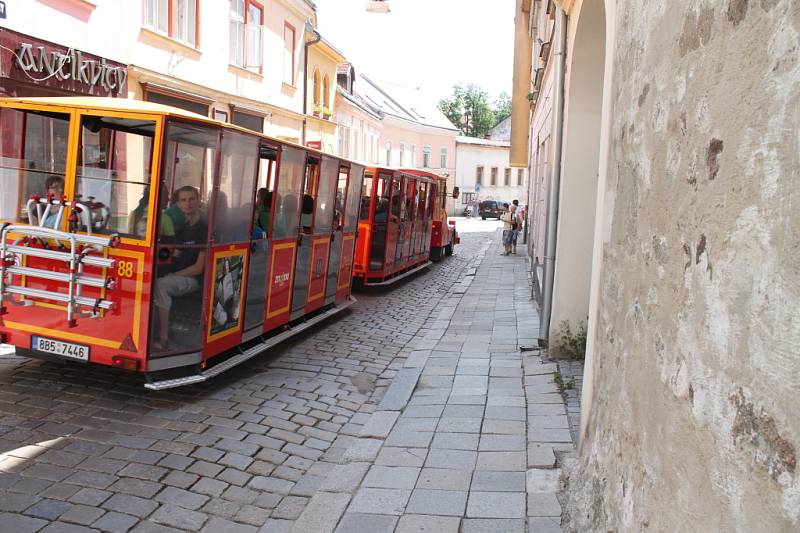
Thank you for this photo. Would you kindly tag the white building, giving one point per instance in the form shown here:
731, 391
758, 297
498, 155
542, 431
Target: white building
483, 172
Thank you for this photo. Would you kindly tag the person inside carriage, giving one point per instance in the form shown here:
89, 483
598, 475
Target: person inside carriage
186, 226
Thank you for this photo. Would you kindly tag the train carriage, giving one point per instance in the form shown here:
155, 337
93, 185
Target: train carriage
401, 217
149, 238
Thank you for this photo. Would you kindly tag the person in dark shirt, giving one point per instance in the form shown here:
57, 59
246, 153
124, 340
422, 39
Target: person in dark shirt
185, 273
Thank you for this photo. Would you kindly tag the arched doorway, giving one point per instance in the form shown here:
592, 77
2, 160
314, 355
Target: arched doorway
580, 167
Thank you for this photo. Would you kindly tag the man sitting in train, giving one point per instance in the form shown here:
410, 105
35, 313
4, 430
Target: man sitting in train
185, 272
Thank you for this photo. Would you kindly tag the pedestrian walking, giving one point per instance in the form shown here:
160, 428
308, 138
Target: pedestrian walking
516, 223
508, 232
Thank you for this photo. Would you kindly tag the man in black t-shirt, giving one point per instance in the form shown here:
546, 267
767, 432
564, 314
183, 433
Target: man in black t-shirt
188, 262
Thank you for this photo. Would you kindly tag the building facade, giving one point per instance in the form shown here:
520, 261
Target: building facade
671, 210
359, 123
323, 58
483, 173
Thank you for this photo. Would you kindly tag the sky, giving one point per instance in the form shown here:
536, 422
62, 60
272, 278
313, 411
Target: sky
430, 44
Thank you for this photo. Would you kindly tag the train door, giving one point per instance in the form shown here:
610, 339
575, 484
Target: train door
422, 188
350, 229
393, 224
283, 243
260, 239
302, 268
337, 242
380, 223
322, 237
231, 220
188, 166
410, 191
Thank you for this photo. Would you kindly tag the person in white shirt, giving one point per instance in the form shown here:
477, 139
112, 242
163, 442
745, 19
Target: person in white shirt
508, 219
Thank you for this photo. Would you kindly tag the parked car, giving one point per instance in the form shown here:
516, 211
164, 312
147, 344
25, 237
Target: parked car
490, 209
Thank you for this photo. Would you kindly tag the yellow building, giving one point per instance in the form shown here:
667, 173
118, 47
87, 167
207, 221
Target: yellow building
320, 119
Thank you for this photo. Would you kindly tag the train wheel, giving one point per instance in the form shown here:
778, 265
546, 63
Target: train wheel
436, 254
448, 250
483, 218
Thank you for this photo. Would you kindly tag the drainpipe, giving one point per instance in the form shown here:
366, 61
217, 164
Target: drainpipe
555, 179
317, 38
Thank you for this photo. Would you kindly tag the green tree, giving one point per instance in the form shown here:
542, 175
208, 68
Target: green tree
502, 107
469, 110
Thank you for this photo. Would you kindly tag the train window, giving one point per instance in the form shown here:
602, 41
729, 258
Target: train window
325, 195
353, 199
310, 185
395, 199
262, 213
113, 174
432, 192
382, 200
287, 199
340, 198
233, 207
422, 195
33, 155
411, 199
366, 197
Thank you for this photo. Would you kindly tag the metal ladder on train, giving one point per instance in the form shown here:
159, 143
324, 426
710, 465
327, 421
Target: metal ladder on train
75, 250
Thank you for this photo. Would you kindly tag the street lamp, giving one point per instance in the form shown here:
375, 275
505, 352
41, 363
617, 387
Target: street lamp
378, 6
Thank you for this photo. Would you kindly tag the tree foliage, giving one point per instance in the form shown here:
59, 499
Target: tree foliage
470, 111
502, 107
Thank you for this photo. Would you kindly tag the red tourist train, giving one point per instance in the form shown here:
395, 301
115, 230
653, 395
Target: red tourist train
159, 241
402, 224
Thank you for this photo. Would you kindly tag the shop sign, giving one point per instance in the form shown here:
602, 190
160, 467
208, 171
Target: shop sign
317, 145
70, 65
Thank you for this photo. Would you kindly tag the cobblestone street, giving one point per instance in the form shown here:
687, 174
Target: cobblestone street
415, 411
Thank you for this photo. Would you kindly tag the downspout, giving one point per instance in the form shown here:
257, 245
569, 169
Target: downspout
317, 38
555, 179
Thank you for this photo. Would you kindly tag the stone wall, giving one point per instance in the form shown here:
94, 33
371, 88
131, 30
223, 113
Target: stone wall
694, 423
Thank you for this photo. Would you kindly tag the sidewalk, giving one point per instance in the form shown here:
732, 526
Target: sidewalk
464, 438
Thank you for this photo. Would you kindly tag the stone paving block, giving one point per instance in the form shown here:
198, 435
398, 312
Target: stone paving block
379, 424
467, 399
95, 480
389, 456
543, 504
391, 477
131, 505
549, 435
544, 525
456, 441
322, 513
503, 427
220, 525
502, 461
116, 522
542, 480
91, 497
437, 502
455, 459
416, 424
444, 479
15, 502
380, 501
399, 392
463, 411
493, 525
424, 523
409, 439
423, 411
366, 523
494, 481
345, 478
178, 517
62, 527
276, 526
182, 498
82, 514
290, 508
496, 412
48, 509
496, 505
19, 523
502, 443
363, 450
459, 425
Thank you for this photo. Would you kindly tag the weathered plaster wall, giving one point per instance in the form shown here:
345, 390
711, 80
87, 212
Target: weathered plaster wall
693, 422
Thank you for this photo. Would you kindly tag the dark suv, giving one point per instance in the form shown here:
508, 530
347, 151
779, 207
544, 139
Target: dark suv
490, 209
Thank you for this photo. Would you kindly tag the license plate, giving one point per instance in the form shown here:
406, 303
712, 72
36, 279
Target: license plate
64, 349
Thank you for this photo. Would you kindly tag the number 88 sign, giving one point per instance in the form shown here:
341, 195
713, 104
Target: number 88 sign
125, 269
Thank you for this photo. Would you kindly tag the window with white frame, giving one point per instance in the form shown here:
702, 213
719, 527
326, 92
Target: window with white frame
426, 156
493, 178
413, 156
402, 154
443, 157
507, 177
289, 44
520, 172
356, 135
344, 141
247, 21
175, 18
479, 175
388, 153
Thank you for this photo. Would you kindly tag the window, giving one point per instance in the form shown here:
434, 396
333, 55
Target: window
413, 162
326, 96
467, 197
247, 20
426, 157
494, 176
288, 53
237, 175
344, 141
220, 115
519, 176
507, 177
249, 121
356, 135
402, 154
388, 153
443, 158
316, 93
175, 18
479, 175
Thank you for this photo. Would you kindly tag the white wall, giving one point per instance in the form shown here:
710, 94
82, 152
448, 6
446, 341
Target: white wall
470, 156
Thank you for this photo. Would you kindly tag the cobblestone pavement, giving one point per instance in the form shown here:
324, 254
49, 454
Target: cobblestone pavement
414, 411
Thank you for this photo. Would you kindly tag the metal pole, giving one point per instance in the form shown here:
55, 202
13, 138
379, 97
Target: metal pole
555, 179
